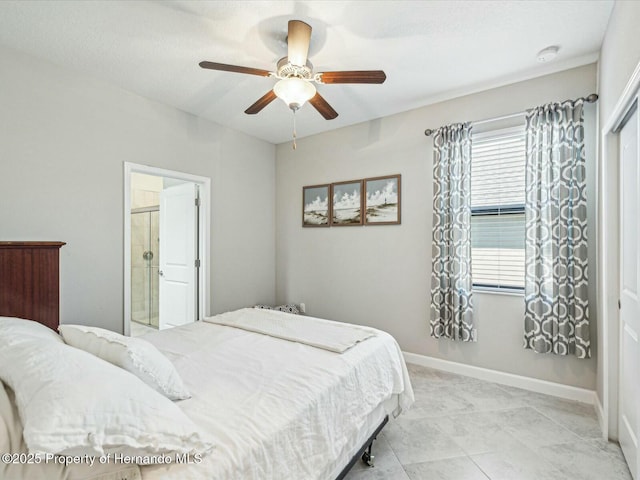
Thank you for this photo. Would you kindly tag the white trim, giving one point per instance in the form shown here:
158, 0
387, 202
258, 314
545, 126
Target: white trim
624, 102
602, 419
609, 271
606, 288
204, 240
533, 384
499, 119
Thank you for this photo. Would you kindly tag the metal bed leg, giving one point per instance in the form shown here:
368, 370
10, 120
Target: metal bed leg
367, 457
364, 453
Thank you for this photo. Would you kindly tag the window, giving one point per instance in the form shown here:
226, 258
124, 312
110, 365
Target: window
497, 209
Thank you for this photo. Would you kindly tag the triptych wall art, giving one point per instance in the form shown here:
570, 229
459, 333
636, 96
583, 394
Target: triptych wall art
371, 201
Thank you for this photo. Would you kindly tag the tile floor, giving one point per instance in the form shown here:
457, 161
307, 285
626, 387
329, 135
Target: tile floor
138, 329
461, 428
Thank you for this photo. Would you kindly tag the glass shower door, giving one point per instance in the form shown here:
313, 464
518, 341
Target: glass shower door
145, 266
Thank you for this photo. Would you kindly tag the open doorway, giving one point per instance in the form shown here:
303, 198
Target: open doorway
166, 244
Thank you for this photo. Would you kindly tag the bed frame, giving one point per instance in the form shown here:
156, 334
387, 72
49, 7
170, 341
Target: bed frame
364, 453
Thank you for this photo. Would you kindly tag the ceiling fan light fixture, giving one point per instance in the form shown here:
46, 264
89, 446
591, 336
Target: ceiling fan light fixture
294, 91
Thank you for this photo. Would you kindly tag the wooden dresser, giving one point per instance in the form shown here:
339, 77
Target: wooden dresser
30, 281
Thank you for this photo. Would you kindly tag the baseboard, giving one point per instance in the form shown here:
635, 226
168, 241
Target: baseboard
601, 417
533, 384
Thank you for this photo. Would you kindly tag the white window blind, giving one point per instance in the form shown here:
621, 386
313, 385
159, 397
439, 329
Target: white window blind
497, 205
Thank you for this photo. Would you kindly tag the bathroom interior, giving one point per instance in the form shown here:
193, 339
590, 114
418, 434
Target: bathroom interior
145, 249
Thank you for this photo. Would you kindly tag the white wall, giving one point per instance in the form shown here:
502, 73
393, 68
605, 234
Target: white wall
619, 56
379, 276
63, 140
620, 53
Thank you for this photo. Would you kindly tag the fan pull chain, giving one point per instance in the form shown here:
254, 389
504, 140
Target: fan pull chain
294, 129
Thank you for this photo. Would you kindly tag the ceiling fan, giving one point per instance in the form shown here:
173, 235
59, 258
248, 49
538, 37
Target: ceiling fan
296, 76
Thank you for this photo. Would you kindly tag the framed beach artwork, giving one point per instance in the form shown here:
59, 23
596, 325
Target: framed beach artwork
346, 205
315, 206
382, 200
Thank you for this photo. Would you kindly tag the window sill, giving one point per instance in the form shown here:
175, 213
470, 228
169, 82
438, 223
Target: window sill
498, 291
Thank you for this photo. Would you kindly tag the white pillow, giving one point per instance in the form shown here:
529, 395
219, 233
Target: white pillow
73, 403
14, 330
133, 354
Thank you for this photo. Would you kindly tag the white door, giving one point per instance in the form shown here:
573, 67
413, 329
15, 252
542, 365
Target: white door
629, 294
178, 253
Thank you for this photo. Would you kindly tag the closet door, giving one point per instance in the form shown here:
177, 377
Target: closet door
629, 394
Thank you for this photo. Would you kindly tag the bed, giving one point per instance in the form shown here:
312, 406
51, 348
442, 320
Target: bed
274, 406
319, 406
251, 394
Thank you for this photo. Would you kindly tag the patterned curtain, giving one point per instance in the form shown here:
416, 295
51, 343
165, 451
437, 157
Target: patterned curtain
451, 301
556, 307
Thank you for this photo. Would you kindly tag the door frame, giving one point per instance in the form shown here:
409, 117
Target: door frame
609, 255
204, 235
632, 449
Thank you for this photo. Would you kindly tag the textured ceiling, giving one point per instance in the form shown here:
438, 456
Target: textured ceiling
430, 50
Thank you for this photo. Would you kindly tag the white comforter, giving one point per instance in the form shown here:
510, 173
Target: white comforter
275, 408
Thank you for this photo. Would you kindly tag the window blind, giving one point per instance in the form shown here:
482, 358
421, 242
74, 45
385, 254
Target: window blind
497, 205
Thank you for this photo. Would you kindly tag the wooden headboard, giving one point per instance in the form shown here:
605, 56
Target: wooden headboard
30, 281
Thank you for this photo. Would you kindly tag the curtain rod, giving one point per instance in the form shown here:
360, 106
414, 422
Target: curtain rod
589, 99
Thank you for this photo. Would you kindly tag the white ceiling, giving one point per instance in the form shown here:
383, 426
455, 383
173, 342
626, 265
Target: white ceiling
430, 50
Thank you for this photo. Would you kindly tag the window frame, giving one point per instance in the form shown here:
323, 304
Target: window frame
507, 209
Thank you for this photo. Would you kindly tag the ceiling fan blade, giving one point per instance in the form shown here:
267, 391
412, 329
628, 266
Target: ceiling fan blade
298, 42
321, 105
262, 102
358, 76
234, 68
